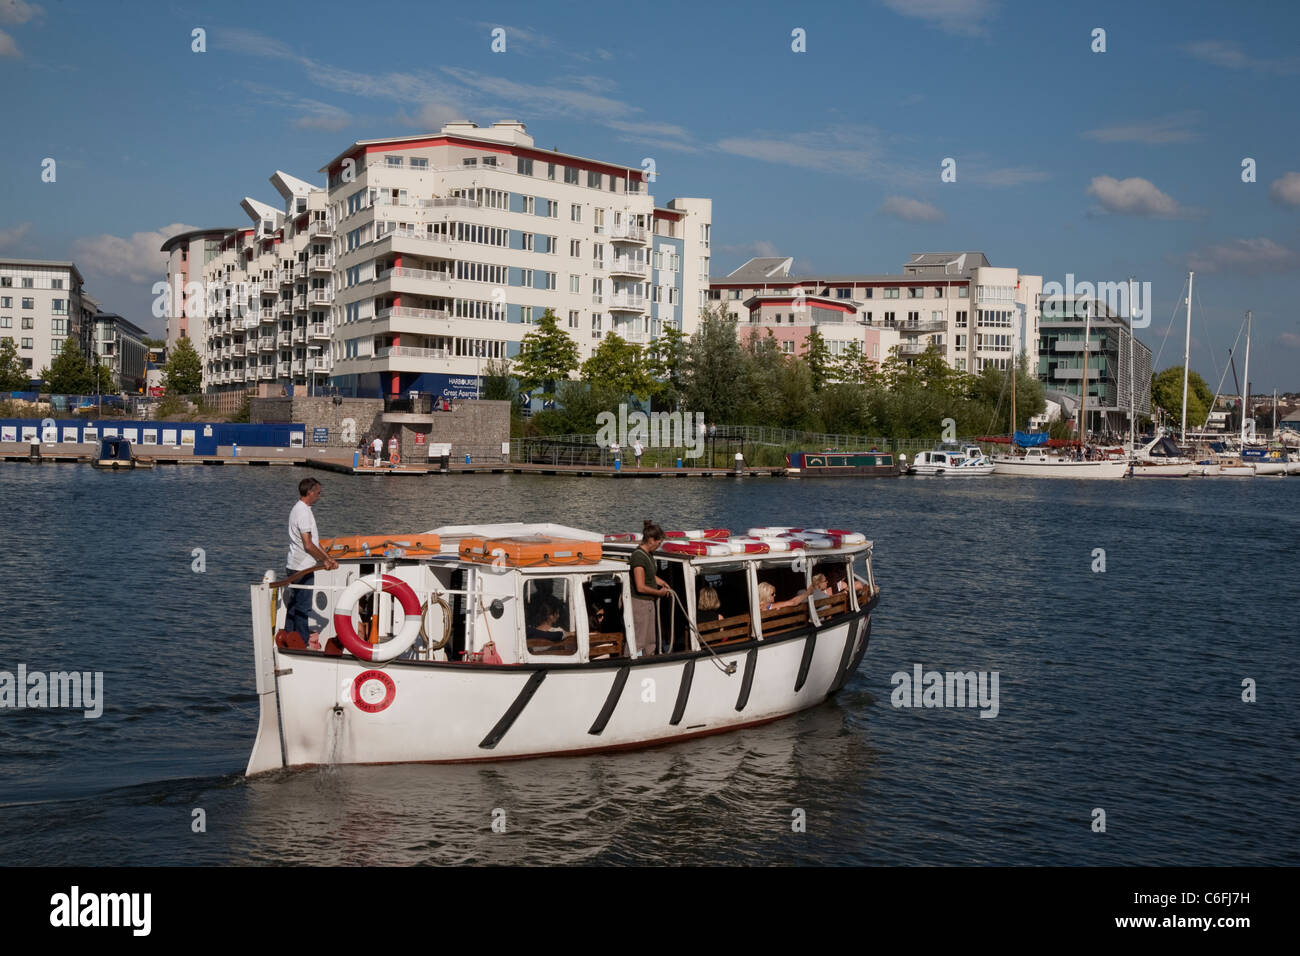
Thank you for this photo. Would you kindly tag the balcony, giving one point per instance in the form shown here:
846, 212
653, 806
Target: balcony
300, 303
914, 348
300, 270
318, 331
237, 349
266, 372
627, 266
626, 232
414, 234
321, 263
265, 315
250, 373
299, 367
320, 227
320, 296
637, 338
627, 302
405, 312
282, 370
318, 364
300, 335
283, 338
285, 307
930, 325
404, 273
285, 276
402, 351
266, 343
598, 264
459, 202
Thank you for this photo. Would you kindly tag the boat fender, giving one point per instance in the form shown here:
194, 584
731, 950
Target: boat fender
347, 633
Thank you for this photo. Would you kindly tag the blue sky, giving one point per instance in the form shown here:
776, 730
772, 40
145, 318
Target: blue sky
1103, 165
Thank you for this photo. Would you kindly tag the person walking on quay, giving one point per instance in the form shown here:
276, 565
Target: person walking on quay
304, 552
377, 447
647, 588
638, 450
616, 451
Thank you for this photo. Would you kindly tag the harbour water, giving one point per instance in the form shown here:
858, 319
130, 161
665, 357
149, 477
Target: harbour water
1119, 690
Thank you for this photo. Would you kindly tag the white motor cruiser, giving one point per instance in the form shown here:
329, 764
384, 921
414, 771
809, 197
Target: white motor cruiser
1036, 463
493, 642
966, 462
1162, 458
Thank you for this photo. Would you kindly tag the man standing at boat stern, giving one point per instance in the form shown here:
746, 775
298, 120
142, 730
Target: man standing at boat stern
647, 588
304, 552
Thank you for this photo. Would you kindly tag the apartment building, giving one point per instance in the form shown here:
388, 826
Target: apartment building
450, 246
41, 304
119, 345
974, 312
261, 316
187, 255
1061, 353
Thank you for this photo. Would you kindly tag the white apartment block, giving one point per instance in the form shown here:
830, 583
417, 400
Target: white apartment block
976, 313
449, 246
41, 305
261, 319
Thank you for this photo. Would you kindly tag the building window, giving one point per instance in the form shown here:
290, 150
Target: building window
6, 302
961, 319
573, 318
56, 283
938, 292
890, 293
575, 284
526, 278
571, 175
489, 160
6, 322
963, 292
575, 248
29, 322
526, 314
6, 282
524, 166
417, 162
28, 282
528, 204
634, 183
526, 238
29, 303
735, 294
469, 161
889, 318
392, 160
915, 292
552, 209
843, 293
27, 343
787, 348
593, 179
575, 213
550, 171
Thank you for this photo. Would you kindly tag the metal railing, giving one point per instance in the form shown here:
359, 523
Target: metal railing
403, 351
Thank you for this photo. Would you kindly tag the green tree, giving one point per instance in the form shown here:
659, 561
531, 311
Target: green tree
855, 368
69, 373
183, 373
817, 356
546, 355
1167, 393
666, 361
14, 377
714, 365
498, 384
154, 343
619, 367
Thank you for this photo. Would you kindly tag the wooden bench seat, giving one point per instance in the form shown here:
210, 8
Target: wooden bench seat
781, 619
606, 645
832, 606
726, 631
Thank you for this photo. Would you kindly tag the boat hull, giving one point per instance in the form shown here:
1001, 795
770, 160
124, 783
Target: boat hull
314, 711
1147, 469
1048, 468
965, 471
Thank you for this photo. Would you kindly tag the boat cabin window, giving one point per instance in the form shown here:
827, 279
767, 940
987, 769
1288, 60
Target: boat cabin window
831, 588
779, 583
671, 619
549, 625
722, 608
862, 580
606, 627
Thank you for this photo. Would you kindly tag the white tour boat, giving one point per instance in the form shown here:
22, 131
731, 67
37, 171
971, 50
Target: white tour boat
493, 642
967, 462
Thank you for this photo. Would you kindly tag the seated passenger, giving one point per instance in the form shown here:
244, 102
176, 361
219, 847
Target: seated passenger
545, 614
708, 605
835, 575
766, 596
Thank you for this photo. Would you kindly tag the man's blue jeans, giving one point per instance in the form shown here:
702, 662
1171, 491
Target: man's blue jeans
297, 605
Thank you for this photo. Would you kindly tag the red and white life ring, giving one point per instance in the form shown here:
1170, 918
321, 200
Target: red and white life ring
698, 548
347, 633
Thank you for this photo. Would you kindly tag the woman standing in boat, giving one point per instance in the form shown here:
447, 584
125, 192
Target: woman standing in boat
647, 588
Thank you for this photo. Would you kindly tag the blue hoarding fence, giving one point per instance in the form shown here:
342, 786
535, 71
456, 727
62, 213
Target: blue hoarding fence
203, 437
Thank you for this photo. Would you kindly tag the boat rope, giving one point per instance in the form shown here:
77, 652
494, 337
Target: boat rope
726, 668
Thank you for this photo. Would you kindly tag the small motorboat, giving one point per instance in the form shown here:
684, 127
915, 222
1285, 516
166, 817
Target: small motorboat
966, 462
115, 454
1161, 458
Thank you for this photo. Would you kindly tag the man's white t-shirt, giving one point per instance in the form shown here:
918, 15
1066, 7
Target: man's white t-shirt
301, 520
378, 446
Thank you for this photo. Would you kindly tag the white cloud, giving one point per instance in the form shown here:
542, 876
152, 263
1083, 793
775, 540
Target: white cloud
1230, 56
1134, 196
1289, 340
1174, 128
11, 237
840, 151
1245, 256
1287, 189
760, 248
911, 210
138, 257
958, 17
19, 11
7, 45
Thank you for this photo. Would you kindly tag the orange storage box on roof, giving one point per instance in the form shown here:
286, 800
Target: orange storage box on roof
528, 551
367, 545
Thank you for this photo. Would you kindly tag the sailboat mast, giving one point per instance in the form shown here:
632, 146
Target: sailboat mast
1245, 382
1083, 391
1132, 399
1187, 351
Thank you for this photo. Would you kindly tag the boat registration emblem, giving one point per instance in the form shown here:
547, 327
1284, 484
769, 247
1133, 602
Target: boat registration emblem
373, 691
